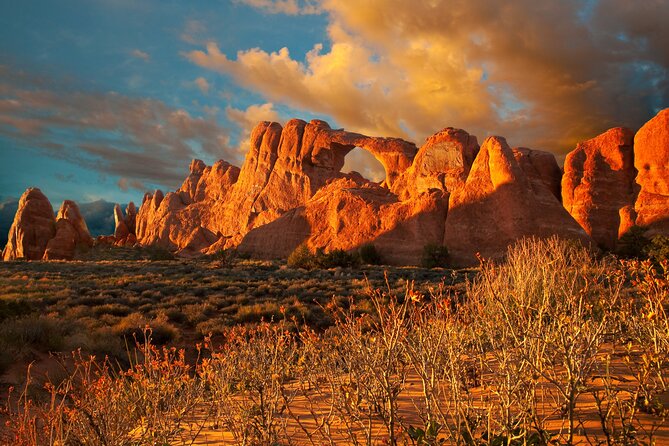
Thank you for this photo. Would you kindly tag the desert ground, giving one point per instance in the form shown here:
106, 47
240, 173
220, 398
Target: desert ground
554, 345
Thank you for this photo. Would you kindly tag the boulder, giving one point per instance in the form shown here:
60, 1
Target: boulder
34, 225
500, 203
598, 183
651, 159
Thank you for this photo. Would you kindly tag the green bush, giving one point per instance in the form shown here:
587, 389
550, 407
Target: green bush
369, 255
302, 257
336, 258
633, 243
658, 248
434, 256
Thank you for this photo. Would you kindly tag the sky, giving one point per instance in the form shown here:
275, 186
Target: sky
107, 99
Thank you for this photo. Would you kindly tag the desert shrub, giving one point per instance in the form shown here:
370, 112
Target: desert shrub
369, 255
434, 256
302, 257
633, 243
337, 258
13, 308
134, 325
157, 253
658, 248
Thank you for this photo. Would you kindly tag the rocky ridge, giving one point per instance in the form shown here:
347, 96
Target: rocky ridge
475, 200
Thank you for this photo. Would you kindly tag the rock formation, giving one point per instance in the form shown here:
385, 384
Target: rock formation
651, 159
442, 163
34, 225
501, 201
349, 212
37, 234
71, 232
124, 227
598, 183
290, 190
284, 168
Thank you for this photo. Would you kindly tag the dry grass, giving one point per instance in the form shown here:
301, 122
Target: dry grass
552, 346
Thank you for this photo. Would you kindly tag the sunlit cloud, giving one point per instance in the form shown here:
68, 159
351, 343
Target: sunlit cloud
202, 84
289, 7
139, 54
247, 119
545, 74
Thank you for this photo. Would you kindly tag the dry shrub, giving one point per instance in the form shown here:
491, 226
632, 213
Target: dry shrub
508, 359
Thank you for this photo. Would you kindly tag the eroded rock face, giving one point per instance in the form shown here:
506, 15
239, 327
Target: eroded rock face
349, 212
598, 183
651, 159
503, 200
34, 225
284, 168
442, 163
71, 232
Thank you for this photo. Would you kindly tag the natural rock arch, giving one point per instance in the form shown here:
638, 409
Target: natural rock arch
363, 162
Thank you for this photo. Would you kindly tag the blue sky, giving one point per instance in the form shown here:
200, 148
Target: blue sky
135, 49
110, 98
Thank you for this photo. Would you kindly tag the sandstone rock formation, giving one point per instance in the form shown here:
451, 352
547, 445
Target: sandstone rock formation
34, 225
71, 232
502, 202
284, 168
598, 183
442, 163
349, 212
37, 234
651, 159
125, 226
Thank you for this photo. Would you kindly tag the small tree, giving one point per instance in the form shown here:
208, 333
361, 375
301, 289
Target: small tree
434, 256
369, 255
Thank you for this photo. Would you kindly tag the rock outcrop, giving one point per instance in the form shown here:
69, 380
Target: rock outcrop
598, 184
34, 225
37, 234
501, 201
442, 163
349, 212
651, 159
124, 226
71, 232
284, 168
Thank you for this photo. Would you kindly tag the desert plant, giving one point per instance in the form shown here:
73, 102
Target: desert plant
336, 258
302, 257
434, 256
369, 255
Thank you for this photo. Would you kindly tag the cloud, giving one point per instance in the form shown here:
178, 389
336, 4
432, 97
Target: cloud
138, 138
125, 184
289, 7
545, 74
139, 54
193, 32
202, 84
247, 119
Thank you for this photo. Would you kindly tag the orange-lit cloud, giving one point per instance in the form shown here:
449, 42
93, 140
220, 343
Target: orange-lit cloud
290, 7
545, 74
247, 119
202, 84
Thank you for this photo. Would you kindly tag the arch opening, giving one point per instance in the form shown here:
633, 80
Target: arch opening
363, 162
